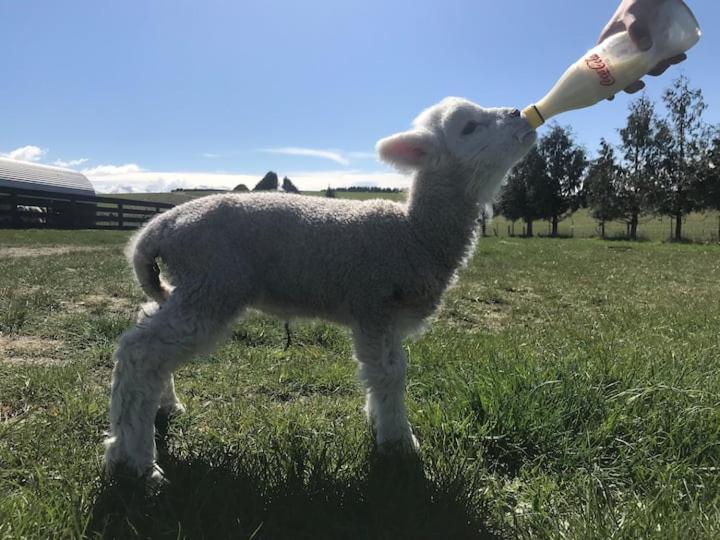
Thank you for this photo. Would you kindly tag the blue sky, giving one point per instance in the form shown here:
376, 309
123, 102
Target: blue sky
154, 94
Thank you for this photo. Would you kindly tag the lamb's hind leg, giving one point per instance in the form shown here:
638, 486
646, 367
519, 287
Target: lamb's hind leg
170, 405
383, 365
145, 358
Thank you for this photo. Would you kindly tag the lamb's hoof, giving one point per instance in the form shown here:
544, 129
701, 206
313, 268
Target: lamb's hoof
405, 446
170, 411
127, 477
163, 418
155, 478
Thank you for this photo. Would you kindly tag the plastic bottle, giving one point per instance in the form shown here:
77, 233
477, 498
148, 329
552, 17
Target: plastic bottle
616, 63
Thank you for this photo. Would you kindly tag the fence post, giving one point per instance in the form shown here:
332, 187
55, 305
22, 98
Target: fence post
14, 217
73, 214
120, 216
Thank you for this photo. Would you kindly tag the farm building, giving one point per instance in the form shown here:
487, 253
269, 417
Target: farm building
21, 175
38, 195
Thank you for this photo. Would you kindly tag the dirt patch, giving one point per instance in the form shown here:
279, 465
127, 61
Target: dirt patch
28, 350
34, 251
116, 305
527, 293
478, 315
8, 413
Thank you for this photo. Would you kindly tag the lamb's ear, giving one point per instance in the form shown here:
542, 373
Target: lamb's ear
407, 151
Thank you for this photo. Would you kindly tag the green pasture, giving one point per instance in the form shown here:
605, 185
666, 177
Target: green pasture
569, 388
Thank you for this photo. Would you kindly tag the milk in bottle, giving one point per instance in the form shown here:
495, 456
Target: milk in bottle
616, 63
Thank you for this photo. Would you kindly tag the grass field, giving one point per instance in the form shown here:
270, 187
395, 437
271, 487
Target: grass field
568, 389
698, 227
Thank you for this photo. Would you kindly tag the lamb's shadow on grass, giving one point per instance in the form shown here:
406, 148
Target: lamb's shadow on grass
292, 492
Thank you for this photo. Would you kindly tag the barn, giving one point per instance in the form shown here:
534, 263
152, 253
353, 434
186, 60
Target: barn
22, 175
39, 195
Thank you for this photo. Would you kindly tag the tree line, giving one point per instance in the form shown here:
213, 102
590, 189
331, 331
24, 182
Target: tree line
665, 164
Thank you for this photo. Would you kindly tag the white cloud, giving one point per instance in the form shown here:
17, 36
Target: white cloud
362, 155
331, 155
26, 153
70, 164
210, 155
112, 170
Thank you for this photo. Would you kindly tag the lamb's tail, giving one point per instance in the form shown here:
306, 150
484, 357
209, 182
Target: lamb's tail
142, 252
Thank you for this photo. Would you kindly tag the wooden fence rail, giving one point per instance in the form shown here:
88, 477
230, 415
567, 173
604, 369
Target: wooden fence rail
26, 208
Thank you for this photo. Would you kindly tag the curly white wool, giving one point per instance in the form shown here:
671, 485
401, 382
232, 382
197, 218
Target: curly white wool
379, 267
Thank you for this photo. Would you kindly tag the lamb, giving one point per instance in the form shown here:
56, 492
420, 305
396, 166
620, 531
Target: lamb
380, 268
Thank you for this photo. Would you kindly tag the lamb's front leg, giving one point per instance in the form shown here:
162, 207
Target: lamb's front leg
383, 364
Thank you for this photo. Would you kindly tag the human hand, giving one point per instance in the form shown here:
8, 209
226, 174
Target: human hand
635, 17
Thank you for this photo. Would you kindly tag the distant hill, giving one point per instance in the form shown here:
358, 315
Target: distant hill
288, 186
268, 183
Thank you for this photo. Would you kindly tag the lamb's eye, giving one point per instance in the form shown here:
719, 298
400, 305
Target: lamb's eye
470, 128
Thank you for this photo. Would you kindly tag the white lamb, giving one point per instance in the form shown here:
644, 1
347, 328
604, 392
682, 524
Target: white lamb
379, 267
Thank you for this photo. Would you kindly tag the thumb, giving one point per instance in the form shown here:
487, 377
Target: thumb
639, 32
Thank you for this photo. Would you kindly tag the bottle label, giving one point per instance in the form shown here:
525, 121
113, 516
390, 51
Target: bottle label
600, 67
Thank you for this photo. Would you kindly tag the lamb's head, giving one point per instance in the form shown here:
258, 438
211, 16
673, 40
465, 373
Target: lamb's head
479, 145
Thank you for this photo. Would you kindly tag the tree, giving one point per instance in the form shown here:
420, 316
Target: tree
242, 188
288, 186
685, 148
517, 198
601, 187
484, 218
268, 183
330, 193
711, 177
709, 181
557, 193
642, 140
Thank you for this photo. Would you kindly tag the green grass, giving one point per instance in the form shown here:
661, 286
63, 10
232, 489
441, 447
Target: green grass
569, 388
175, 197
362, 195
42, 237
697, 227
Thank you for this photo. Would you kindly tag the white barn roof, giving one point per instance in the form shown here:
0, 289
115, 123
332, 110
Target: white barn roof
22, 175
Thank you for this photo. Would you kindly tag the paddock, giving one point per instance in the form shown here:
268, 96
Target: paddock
568, 388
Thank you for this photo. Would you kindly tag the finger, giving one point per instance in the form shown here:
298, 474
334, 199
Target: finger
677, 59
635, 87
663, 66
639, 32
615, 27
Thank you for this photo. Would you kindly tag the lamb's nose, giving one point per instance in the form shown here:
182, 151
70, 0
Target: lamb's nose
515, 113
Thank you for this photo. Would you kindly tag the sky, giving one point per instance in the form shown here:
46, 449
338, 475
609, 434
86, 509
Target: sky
151, 95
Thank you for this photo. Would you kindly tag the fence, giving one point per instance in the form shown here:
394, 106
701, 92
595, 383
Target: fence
697, 227
25, 208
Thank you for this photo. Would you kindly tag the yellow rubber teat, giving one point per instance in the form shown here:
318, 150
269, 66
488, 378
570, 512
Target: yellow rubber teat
533, 116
